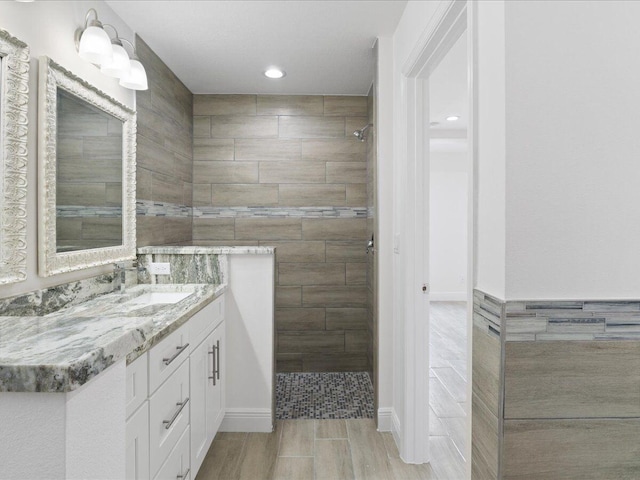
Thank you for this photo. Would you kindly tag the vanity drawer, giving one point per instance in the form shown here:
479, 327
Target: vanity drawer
136, 383
169, 411
177, 465
167, 356
203, 322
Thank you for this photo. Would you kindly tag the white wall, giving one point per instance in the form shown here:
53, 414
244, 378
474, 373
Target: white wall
48, 29
573, 150
448, 225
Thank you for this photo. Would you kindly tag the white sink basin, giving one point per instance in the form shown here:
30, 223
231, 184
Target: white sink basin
155, 298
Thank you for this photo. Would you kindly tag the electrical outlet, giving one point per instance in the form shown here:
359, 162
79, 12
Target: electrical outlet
160, 268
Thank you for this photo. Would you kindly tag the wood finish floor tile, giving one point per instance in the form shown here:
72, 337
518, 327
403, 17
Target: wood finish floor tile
259, 455
331, 429
367, 451
294, 468
224, 457
297, 438
333, 460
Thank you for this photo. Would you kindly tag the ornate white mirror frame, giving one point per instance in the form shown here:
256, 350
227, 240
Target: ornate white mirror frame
14, 99
50, 262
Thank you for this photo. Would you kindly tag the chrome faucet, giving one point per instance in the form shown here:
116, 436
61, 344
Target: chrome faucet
120, 274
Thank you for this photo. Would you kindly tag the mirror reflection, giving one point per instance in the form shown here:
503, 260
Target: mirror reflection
88, 176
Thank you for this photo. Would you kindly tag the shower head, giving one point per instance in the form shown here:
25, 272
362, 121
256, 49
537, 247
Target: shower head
361, 134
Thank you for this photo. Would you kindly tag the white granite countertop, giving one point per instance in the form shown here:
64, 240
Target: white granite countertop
62, 350
195, 250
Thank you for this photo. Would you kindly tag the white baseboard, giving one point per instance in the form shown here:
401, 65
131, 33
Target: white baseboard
396, 429
384, 419
448, 296
247, 420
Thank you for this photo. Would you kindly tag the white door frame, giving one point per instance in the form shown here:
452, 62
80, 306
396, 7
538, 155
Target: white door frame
450, 20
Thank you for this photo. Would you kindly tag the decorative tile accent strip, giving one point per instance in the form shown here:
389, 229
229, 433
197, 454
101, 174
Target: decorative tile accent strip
488, 312
70, 211
572, 320
149, 208
279, 212
324, 395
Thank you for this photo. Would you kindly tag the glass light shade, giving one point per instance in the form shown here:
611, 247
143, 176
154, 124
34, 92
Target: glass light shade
136, 79
120, 65
95, 46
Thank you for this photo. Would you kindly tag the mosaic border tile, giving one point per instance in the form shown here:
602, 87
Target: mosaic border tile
71, 211
280, 212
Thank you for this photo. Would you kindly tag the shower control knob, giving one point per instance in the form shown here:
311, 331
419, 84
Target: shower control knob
425, 287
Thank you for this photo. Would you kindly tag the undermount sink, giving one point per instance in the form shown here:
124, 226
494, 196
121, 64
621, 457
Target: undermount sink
155, 298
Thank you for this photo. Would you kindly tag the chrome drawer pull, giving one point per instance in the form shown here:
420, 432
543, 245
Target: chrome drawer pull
167, 423
167, 361
184, 475
217, 369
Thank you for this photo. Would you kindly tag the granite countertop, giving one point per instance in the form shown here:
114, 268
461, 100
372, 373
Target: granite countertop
195, 250
62, 350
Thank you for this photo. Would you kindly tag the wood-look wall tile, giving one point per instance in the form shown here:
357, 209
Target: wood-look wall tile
153, 157
292, 172
334, 362
570, 449
579, 379
348, 149
346, 172
163, 189
300, 319
357, 195
292, 252
201, 127
96, 228
224, 104
213, 149
310, 342
356, 274
184, 167
312, 195
68, 228
334, 228
178, 230
346, 318
325, 296
89, 194
238, 195
113, 194
333, 460
311, 127
350, 251
288, 297
288, 362
345, 106
201, 194
311, 273
225, 172
149, 231
268, 149
72, 171
227, 126
485, 440
290, 105
213, 228
486, 369
268, 229
356, 341
297, 438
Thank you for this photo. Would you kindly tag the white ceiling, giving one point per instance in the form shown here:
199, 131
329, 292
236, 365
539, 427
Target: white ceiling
224, 46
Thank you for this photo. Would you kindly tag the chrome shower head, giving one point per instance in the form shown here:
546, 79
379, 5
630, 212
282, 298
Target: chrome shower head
361, 134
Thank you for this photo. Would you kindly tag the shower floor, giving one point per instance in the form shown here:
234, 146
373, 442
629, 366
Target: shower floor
339, 395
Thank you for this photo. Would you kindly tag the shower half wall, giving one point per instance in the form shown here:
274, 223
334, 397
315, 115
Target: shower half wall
286, 171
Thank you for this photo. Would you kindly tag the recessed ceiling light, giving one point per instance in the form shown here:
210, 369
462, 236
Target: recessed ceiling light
274, 73
453, 118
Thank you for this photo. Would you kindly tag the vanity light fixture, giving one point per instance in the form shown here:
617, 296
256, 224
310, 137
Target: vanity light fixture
453, 118
112, 59
274, 72
92, 42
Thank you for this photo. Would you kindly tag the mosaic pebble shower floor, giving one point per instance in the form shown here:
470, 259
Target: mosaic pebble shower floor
335, 395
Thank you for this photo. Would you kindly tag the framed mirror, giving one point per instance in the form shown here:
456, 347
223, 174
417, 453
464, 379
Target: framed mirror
14, 99
87, 164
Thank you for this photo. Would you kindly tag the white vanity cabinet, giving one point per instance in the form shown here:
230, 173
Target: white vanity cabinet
173, 426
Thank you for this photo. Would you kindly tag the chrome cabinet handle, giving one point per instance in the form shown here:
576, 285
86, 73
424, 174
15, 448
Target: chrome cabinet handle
167, 423
181, 349
213, 367
217, 369
184, 475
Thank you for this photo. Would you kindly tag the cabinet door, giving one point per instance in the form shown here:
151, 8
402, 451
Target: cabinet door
138, 444
215, 393
201, 359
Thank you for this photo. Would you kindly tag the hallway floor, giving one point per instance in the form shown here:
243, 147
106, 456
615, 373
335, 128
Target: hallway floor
448, 389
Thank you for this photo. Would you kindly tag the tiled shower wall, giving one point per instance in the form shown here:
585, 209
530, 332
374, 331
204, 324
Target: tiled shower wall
164, 155
287, 171
372, 312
